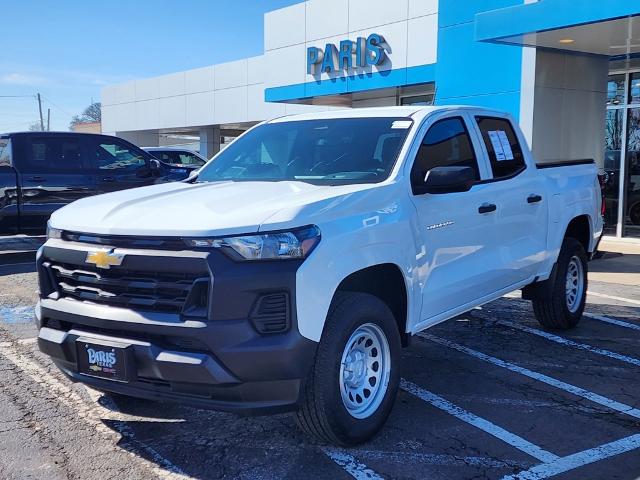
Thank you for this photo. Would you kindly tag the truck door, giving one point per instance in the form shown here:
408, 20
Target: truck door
519, 192
118, 165
8, 189
457, 264
51, 174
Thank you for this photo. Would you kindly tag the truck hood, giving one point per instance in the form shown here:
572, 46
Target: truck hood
201, 209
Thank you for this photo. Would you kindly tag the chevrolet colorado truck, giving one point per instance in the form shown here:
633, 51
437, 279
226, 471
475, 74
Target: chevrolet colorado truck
288, 273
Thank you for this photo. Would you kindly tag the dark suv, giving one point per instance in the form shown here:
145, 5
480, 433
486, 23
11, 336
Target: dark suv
43, 171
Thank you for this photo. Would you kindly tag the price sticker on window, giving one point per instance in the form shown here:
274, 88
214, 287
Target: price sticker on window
501, 145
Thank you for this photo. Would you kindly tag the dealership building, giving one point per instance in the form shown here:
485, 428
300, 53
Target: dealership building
568, 70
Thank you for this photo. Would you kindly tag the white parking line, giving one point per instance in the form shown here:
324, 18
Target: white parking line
613, 321
571, 343
348, 462
485, 425
159, 466
613, 297
580, 392
579, 459
443, 460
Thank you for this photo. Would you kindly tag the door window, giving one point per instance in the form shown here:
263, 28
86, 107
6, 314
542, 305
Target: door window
114, 155
446, 144
53, 154
505, 153
5, 152
180, 158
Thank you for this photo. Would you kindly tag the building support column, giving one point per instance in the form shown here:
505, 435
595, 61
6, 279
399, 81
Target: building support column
209, 141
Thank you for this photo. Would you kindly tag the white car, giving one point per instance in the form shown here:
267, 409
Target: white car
289, 273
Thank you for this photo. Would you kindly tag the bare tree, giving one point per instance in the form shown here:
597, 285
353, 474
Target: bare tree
93, 113
35, 127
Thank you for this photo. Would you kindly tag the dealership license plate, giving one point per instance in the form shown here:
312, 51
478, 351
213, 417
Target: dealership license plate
103, 359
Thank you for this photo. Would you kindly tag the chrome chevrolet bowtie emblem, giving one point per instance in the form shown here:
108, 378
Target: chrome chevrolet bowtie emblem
104, 259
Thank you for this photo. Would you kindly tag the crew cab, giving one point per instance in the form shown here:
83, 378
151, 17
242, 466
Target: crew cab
289, 273
42, 171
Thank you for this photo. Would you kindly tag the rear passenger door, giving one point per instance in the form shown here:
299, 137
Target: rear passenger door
52, 173
118, 165
519, 193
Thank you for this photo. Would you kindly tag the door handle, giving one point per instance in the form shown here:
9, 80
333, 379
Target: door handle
487, 208
534, 198
36, 178
108, 179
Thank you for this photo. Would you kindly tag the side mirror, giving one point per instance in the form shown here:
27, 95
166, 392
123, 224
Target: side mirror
154, 165
447, 180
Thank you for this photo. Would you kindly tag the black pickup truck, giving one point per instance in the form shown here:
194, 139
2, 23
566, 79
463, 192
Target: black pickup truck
43, 171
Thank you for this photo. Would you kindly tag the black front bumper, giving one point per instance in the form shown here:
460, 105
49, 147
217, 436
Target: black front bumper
214, 357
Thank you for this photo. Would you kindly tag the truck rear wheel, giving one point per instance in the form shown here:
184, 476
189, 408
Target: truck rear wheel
354, 381
562, 309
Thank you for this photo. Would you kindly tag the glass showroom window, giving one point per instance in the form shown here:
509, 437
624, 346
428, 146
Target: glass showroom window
622, 155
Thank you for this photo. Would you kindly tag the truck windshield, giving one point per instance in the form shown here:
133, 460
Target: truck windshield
330, 152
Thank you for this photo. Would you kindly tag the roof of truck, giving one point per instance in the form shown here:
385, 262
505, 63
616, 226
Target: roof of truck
52, 134
378, 112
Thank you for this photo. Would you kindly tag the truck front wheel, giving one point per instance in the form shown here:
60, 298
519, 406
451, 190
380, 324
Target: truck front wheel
562, 307
354, 381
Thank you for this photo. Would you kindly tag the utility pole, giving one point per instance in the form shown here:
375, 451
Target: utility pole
40, 108
48, 119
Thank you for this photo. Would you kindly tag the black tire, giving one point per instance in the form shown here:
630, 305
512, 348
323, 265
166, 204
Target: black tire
553, 311
323, 413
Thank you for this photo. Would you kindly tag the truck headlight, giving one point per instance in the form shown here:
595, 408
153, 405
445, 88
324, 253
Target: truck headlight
53, 232
292, 244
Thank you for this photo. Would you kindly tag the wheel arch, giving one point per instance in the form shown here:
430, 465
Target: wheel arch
580, 228
386, 282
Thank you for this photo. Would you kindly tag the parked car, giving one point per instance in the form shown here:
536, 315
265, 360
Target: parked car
289, 273
42, 171
177, 157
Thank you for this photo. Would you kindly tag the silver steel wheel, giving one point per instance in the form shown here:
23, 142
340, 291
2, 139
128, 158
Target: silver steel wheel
574, 287
364, 370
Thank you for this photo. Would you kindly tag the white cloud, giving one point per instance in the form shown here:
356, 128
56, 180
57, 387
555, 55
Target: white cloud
16, 78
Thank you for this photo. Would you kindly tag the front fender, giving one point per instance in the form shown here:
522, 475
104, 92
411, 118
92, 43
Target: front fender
319, 277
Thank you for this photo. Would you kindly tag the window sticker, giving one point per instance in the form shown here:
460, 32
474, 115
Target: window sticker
401, 124
501, 145
497, 146
506, 146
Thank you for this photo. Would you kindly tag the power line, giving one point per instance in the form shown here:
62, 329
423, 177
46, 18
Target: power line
57, 106
17, 96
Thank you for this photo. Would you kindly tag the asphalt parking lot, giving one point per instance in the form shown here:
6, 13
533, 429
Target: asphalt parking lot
486, 395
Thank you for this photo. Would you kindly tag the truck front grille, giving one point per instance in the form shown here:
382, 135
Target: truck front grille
147, 291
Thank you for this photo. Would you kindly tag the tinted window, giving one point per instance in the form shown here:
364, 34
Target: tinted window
330, 151
178, 158
615, 89
446, 144
53, 153
5, 152
115, 155
505, 153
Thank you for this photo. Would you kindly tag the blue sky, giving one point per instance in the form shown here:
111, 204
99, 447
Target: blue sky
69, 49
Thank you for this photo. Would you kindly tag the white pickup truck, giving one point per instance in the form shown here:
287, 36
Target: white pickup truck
290, 271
